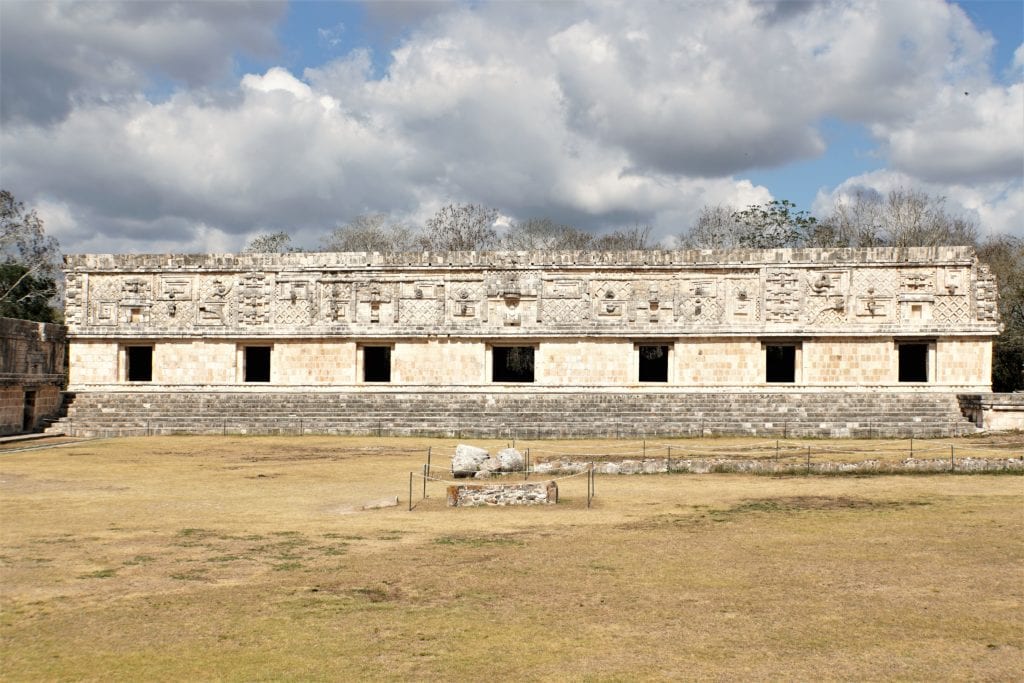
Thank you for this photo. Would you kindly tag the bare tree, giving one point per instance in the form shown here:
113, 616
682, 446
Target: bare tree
715, 228
637, 238
902, 218
461, 227
28, 263
269, 243
371, 232
544, 234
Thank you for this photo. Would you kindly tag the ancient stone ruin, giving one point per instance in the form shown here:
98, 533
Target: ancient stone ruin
477, 495
828, 342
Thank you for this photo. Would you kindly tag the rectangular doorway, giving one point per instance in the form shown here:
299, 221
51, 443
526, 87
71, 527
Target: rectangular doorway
652, 363
257, 364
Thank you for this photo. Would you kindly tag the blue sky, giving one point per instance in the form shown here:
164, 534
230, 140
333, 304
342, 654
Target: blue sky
168, 126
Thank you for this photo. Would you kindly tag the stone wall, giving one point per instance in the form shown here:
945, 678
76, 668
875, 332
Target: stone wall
32, 373
477, 495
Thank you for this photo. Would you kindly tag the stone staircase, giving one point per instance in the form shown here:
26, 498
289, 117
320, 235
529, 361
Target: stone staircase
525, 416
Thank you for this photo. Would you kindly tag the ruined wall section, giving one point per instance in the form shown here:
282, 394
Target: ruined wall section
32, 373
671, 294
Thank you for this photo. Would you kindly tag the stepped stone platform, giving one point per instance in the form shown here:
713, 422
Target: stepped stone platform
498, 415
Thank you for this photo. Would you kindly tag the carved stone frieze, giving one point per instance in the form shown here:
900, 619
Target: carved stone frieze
985, 300
783, 296
304, 294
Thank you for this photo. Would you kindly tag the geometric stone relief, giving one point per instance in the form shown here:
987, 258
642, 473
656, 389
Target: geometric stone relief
467, 299
304, 296
874, 291
335, 302
826, 296
104, 294
654, 301
916, 309
741, 300
253, 295
136, 300
376, 302
173, 314
567, 311
299, 312
873, 308
881, 282
917, 280
699, 300
782, 296
74, 299
949, 310
985, 303
953, 281
422, 302
611, 299
214, 305
421, 311
174, 307
563, 289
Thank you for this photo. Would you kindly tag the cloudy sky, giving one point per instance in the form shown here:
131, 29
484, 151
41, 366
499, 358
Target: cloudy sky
162, 126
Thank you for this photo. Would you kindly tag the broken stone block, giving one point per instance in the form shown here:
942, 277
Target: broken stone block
511, 460
467, 460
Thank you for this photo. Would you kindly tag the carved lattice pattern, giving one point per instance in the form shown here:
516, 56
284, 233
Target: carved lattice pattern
419, 312
561, 311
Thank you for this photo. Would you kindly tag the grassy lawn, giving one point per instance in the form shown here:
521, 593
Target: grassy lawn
248, 558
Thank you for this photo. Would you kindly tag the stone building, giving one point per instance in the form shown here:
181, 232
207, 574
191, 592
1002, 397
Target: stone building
838, 342
32, 374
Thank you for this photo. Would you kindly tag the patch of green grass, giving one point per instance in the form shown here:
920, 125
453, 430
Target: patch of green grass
287, 566
191, 575
224, 558
138, 559
99, 574
477, 541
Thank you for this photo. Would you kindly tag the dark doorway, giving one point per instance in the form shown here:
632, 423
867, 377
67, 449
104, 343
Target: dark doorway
257, 363
913, 362
780, 363
139, 361
653, 363
376, 363
28, 420
512, 364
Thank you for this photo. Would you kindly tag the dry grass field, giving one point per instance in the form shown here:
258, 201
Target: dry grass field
202, 558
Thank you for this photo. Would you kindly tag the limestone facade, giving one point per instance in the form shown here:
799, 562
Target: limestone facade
918, 318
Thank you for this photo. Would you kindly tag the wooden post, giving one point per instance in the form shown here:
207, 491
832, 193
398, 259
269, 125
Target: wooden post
952, 463
808, 460
410, 491
426, 473
668, 461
